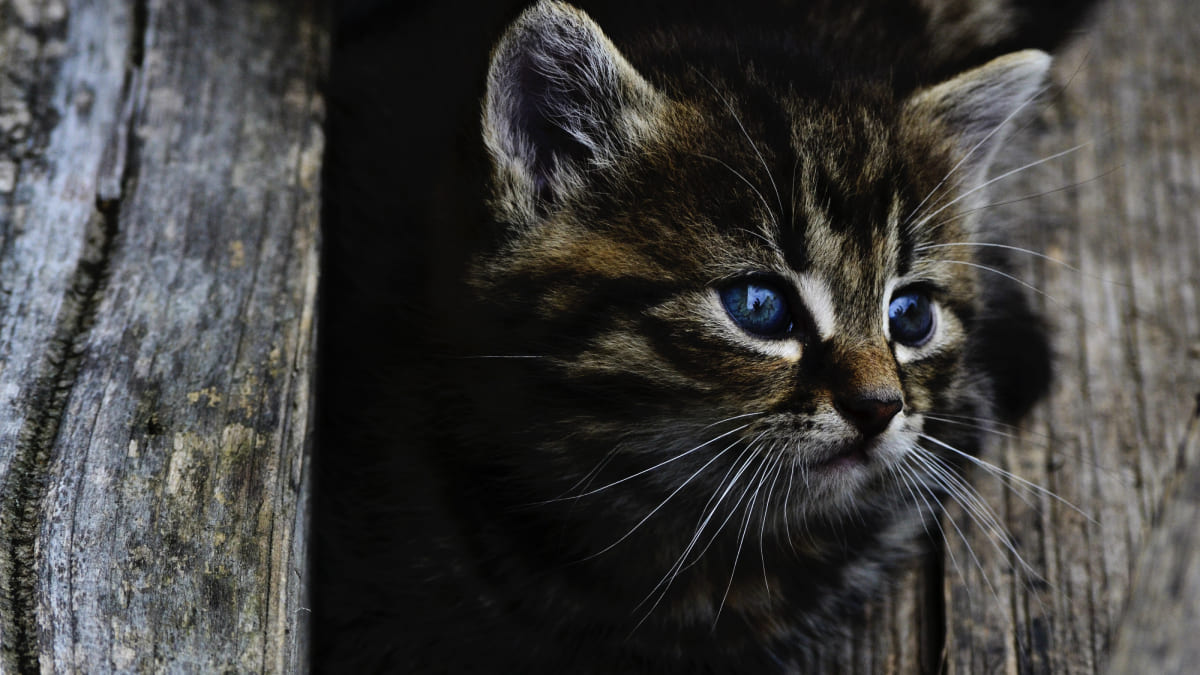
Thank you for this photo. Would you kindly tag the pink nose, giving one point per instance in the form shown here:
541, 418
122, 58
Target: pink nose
869, 412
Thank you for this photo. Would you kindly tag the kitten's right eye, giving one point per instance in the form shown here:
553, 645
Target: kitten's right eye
758, 308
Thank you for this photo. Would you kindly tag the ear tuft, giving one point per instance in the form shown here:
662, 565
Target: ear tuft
977, 107
560, 100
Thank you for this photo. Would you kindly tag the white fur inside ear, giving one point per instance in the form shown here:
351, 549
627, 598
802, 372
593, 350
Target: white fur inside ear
560, 100
978, 107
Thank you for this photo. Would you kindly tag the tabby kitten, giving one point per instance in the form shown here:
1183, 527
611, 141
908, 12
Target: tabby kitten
675, 415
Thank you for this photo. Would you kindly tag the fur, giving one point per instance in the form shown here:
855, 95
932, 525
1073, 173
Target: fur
548, 446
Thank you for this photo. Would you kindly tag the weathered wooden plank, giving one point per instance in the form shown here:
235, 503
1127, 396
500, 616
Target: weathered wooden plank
1127, 331
1158, 630
160, 267
60, 100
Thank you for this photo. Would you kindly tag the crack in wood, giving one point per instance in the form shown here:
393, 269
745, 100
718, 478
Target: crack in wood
935, 639
24, 488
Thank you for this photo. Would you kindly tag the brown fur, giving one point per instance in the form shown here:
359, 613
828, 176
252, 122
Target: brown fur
600, 463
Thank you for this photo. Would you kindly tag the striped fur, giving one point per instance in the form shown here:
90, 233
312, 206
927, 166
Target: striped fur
623, 479
625, 199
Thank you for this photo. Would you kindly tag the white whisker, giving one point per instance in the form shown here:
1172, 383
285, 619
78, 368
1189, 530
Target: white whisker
1033, 195
777, 467
745, 180
1006, 174
1006, 275
745, 527
970, 550
993, 469
753, 146
975, 148
643, 471
663, 503
715, 501
978, 509
917, 488
957, 244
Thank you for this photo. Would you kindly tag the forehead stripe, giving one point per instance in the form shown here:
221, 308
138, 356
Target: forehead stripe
819, 302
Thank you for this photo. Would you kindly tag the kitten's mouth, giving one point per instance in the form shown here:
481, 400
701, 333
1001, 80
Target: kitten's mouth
855, 453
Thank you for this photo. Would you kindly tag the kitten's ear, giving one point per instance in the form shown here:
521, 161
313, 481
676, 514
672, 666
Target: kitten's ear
976, 108
560, 100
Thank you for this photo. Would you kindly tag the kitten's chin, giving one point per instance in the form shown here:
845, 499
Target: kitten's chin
847, 456
850, 466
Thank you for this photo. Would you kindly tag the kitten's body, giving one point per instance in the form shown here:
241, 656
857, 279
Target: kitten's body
578, 459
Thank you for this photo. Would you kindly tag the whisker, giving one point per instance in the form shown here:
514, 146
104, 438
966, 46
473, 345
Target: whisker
792, 191
944, 416
643, 471
770, 244
787, 495
595, 472
974, 425
775, 471
1006, 275
744, 180
957, 244
917, 488
1016, 111
968, 497
732, 511
1035, 254
992, 468
987, 425
1006, 174
663, 502
745, 527
732, 418
753, 146
715, 503
586, 481
970, 550
1034, 195
984, 516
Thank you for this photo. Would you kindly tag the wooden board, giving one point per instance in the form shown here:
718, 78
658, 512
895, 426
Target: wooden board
1124, 312
159, 184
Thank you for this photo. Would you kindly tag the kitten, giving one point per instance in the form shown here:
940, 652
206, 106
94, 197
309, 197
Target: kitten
665, 388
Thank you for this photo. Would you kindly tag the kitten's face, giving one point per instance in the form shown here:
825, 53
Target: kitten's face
768, 292
712, 282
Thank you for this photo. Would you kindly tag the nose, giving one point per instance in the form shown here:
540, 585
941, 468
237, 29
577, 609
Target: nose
869, 411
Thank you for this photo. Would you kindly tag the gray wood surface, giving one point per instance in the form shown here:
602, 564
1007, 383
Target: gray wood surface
1119, 427
1108, 573
159, 184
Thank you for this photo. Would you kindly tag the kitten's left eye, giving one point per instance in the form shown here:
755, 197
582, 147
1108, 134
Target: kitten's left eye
910, 318
758, 307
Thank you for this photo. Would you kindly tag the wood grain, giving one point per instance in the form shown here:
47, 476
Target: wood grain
159, 185
1124, 313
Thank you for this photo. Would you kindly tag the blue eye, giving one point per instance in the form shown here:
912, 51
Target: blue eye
758, 308
910, 318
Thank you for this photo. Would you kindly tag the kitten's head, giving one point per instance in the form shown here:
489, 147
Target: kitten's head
714, 274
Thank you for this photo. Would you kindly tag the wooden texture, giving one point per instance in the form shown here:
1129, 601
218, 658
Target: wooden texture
1119, 426
159, 185
1103, 572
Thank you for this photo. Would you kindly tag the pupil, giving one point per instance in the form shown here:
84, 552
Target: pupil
757, 309
911, 318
